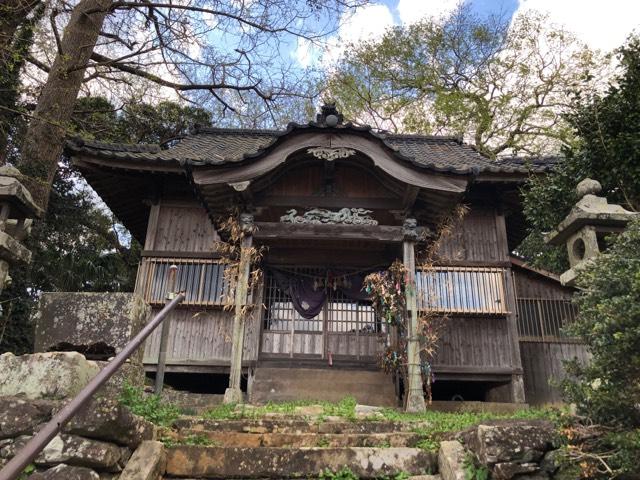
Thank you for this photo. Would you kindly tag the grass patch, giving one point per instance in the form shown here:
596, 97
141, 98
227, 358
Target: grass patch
433, 425
344, 408
150, 407
200, 440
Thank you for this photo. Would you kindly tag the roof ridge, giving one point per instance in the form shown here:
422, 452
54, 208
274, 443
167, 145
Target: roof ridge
419, 136
236, 131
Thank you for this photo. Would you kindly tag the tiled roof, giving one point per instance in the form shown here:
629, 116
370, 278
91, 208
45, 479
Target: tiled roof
216, 146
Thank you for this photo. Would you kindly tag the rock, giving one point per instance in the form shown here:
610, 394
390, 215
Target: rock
20, 417
265, 462
65, 472
86, 319
129, 373
148, 462
508, 470
74, 451
368, 411
550, 462
53, 375
106, 419
503, 441
451, 460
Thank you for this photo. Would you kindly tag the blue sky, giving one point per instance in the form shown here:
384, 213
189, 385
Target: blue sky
601, 24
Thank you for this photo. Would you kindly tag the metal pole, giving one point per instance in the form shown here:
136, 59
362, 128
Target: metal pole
24, 457
164, 334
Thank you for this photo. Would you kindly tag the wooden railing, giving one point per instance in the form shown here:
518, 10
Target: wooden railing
462, 290
544, 319
202, 280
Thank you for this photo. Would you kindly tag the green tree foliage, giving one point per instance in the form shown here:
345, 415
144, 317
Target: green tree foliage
608, 389
503, 86
11, 61
607, 127
80, 246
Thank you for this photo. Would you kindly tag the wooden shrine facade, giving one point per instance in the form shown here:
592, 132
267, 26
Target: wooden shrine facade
330, 202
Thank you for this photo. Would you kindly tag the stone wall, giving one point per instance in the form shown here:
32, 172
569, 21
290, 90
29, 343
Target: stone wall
513, 449
98, 324
95, 445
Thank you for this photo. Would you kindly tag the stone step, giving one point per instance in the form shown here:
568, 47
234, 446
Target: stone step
285, 463
298, 440
295, 425
278, 385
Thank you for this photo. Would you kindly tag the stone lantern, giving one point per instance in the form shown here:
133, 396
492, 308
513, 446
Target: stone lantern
586, 226
17, 209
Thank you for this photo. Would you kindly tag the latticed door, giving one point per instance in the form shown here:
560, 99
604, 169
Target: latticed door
344, 329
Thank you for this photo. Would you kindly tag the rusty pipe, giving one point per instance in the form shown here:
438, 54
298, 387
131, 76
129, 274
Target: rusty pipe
30, 451
164, 333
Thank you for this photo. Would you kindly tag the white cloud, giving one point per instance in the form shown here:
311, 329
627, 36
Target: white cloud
366, 23
603, 25
410, 11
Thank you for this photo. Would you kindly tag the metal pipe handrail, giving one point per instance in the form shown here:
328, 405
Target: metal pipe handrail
39, 441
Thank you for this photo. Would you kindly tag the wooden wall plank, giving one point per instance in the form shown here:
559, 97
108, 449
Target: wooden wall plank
542, 363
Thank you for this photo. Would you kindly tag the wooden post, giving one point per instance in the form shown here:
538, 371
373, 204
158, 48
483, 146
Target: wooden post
164, 333
415, 393
233, 394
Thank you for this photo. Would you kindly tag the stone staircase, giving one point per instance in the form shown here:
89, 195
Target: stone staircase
295, 447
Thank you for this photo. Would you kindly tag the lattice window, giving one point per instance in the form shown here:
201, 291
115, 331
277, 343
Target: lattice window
462, 290
202, 280
544, 319
340, 314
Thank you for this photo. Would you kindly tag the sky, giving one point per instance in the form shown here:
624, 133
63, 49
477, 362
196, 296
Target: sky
601, 24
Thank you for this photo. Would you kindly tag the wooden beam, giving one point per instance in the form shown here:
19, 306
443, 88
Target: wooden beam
293, 231
178, 254
328, 202
409, 198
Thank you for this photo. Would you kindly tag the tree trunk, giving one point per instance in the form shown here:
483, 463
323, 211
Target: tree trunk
45, 137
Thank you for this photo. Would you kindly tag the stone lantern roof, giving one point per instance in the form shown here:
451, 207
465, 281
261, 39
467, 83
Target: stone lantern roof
584, 228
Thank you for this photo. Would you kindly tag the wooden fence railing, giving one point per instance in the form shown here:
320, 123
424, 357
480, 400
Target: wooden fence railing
544, 319
462, 290
202, 280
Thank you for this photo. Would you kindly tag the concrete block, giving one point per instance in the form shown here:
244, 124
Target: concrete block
148, 462
87, 322
451, 460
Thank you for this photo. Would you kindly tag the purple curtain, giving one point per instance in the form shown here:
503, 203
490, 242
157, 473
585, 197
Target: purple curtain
307, 301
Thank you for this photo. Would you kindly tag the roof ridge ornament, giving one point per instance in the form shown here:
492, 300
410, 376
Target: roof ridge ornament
330, 154
329, 115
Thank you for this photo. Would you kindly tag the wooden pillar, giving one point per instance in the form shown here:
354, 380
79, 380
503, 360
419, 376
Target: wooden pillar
415, 393
517, 382
233, 394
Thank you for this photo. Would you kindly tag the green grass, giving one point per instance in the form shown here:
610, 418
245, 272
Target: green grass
345, 409
150, 407
430, 425
200, 440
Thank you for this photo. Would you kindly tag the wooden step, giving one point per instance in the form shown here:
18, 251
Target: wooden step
286, 463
